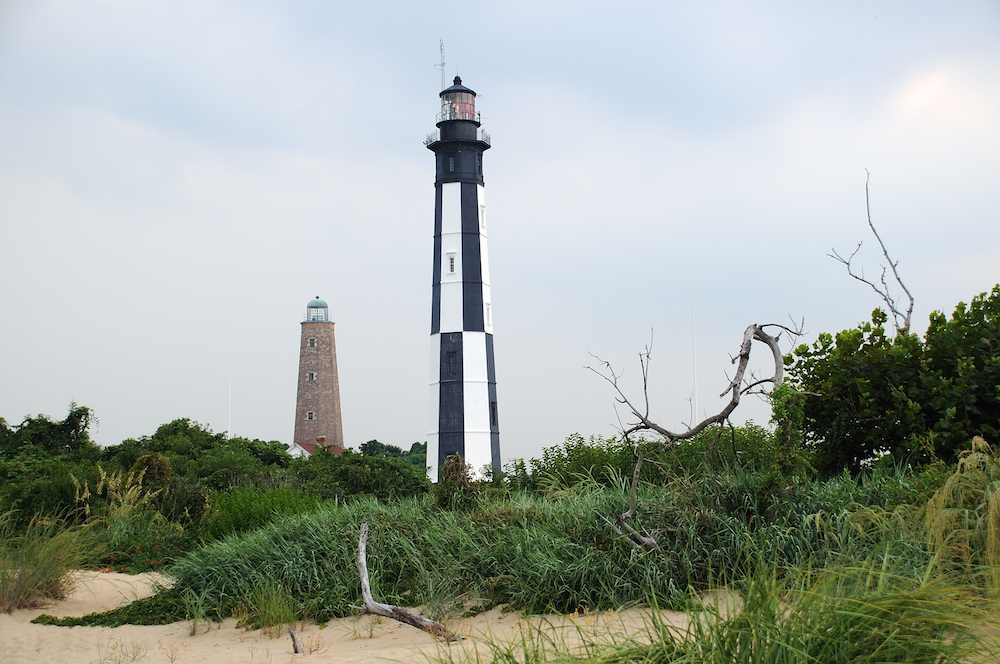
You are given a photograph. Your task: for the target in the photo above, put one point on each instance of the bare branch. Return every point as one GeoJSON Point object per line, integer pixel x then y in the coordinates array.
{"type": "Point", "coordinates": [737, 387]}
{"type": "Point", "coordinates": [901, 320]}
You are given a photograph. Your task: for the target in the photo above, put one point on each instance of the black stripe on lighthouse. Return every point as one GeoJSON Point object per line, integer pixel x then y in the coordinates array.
{"type": "Point", "coordinates": [451, 408]}
{"type": "Point", "coordinates": [472, 264]}
{"type": "Point", "coordinates": [436, 277]}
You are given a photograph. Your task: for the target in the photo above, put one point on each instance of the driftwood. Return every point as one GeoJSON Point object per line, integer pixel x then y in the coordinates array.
{"type": "Point", "coordinates": [388, 610]}
{"type": "Point", "coordinates": [296, 644]}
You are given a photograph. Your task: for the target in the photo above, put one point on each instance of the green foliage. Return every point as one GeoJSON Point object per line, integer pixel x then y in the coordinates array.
{"type": "Point", "coordinates": [163, 608]}
{"type": "Point", "coordinates": [35, 561]}
{"type": "Point", "coordinates": [789, 462]}
{"type": "Point", "coordinates": [38, 460]}
{"type": "Point", "coordinates": [456, 489]}
{"type": "Point", "coordinates": [909, 399]}
{"type": "Point", "coordinates": [198, 457]}
{"type": "Point", "coordinates": [41, 435]}
{"type": "Point", "coordinates": [350, 474]}
{"type": "Point", "coordinates": [416, 456]}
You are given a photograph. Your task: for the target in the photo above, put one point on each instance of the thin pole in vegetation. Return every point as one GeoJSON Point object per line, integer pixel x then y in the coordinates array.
{"type": "Point", "coordinates": [388, 610]}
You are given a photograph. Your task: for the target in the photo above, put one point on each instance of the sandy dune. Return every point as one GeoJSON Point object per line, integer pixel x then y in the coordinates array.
{"type": "Point", "coordinates": [361, 639]}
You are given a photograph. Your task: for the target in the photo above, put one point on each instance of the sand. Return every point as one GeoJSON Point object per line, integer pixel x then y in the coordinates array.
{"type": "Point", "coordinates": [346, 640]}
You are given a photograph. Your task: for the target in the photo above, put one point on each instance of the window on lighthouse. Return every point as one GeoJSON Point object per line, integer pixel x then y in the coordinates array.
{"type": "Point", "coordinates": [310, 376]}
{"type": "Point", "coordinates": [451, 263]}
{"type": "Point", "coordinates": [311, 343]}
{"type": "Point", "coordinates": [309, 415]}
{"type": "Point", "coordinates": [451, 164]}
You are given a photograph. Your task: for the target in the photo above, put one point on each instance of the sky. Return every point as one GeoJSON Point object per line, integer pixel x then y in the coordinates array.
{"type": "Point", "coordinates": [178, 179]}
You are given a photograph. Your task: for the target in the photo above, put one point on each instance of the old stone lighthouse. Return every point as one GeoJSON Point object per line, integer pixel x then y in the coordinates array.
{"type": "Point", "coordinates": [317, 407]}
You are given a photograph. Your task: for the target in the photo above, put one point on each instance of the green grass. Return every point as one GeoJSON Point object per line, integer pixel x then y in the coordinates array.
{"type": "Point", "coordinates": [245, 509]}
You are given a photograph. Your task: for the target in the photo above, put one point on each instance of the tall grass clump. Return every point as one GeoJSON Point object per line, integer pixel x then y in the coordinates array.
{"type": "Point", "coordinates": [35, 561]}
{"type": "Point", "coordinates": [962, 519]}
{"type": "Point", "coordinates": [135, 535]}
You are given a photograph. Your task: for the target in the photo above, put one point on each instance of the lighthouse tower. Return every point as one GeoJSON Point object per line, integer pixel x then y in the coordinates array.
{"type": "Point", "coordinates": [463, 394]}
{"type": "Point", "coordinates": [317, 407]}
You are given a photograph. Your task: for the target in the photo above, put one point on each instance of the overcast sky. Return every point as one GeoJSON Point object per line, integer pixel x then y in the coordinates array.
{"type": "Point", "coordinates": [178, 180]}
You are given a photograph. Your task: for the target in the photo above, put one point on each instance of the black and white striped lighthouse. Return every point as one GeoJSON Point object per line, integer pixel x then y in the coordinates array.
{"type": "Point", "coordinates": [463, 394]}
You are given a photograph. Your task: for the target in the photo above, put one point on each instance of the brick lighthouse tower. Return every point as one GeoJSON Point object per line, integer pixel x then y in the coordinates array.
{"type": "Point", "coordinates": [463, 394]}
{"type": "Point", "coordinates": [317, 407]}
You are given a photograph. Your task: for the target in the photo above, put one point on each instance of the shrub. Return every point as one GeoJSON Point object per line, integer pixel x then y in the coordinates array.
{"type": "Point", "coordinates": [914, 400]}
{"type": "Point", "coordinates": [350, 474]}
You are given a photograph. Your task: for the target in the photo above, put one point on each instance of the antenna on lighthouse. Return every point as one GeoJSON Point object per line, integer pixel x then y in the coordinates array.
{"type": "Point", "coordinates": [440, 65]}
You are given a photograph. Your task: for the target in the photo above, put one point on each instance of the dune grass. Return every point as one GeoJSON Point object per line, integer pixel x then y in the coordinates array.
{"type": "Point", "coordinates": [548, 553]}
{"type": "Point", "coordinates": [856, 615]}
{"type": "Point", "coordinates": [35, 562]}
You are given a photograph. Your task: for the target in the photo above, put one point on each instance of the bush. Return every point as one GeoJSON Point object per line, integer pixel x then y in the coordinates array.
{"type": "Point", "coordinates": [337, 477]}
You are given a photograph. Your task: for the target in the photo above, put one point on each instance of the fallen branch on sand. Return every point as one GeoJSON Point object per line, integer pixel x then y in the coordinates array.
{"type": "Point", "coordinates": [388, 610]}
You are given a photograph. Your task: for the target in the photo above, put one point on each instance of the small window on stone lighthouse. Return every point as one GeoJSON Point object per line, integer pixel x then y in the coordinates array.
{"type": "Point", "coordinates": [451, 363]}
{"type": "Point", "coordinates": [311, 343]}
{"type": "Point", "coordinates": [488, 321]}
{"type": "Point", "coordinates": [310, 376]}
{"type": "Point", "coordinates": [309, 415]}
{"type": "Point", "coordinates": [451, 164]}
{"type": "Point", "coordinates": [482, 216]}
{"type": "Point", "coordinates": [451, 262]}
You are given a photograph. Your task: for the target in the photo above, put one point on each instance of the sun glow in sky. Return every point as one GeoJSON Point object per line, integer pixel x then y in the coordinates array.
{"type": "Point", "coordinates": [178, 179]}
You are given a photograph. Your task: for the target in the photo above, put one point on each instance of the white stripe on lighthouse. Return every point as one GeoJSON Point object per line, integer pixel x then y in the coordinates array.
{"type": "Point", "coordinates": [451, 257]}
{"type": "Point", "coordinates": [435, 402]}
{"type": "Point", "coordinates": [477, 399]}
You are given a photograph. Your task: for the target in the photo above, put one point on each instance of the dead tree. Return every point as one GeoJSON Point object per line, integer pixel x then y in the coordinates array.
{"type": "Point", "coordinates": [900, 318]}
{"type": "Point", "coordinates": [739, 386]}
{"type": "Point", "coordinates": [388, 610]}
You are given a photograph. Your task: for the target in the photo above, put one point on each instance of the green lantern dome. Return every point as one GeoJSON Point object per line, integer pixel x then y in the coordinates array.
{"type": "Point", "coordinates": [317, 311]}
